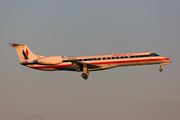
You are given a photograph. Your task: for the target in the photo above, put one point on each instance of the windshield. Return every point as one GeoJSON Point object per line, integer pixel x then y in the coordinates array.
{"type": "Point", "coordinates": [154, 54]}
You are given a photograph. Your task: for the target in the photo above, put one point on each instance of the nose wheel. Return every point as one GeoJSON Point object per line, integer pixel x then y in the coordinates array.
{"type": "Point", "coordinates": [160, 69]}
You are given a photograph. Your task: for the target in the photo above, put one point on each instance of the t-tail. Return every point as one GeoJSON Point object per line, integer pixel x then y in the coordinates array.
{"type": "Point", "coordinates": [24, 53]}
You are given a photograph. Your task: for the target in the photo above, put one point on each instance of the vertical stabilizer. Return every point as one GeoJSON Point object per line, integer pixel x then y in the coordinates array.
{"type": "Point", "coordinates": [23, 52]}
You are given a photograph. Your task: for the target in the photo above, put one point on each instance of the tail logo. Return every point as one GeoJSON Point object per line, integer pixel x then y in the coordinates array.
{"type": "Point", "coordinates": [26, 54]}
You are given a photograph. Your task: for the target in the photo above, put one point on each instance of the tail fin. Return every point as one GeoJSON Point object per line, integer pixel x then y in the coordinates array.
{"type": "Point", "coordinates": [23, 52]}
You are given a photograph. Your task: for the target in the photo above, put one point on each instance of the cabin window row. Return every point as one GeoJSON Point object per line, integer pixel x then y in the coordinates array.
{"type": "Point", "coordinates": [104, 58]}
{"type": "Point", "coordinates": [118, 57]}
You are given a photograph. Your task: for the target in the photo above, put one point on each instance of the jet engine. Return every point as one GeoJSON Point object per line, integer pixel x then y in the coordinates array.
{"type": "Point", "coordinates": [51, 60]}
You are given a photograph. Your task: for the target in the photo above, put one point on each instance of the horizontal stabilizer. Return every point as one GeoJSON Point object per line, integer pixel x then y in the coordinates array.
{"type": "Point", "coordinates": [15, 44]}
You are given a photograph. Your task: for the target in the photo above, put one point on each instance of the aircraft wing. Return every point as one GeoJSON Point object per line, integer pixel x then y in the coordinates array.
{"type": "Point", "coordinates": [79, 65]}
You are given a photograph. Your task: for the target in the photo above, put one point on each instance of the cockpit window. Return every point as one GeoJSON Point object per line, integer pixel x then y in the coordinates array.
{"type": "Point", "coordinates": [154, 54]}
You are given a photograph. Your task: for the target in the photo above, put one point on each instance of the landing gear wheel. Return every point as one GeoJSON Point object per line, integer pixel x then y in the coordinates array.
{"type": "Point", "coordinates": [160, 69]}
{"type": "Point", "coordinates": [84, 76]}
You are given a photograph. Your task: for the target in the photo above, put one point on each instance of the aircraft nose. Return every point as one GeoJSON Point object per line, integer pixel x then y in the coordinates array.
{"type": "Point", "coordinates": [169, 60]}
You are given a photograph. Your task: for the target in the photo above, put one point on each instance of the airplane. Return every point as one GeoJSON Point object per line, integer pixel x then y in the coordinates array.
{"type": "Point", "coordinates": [86, 64]}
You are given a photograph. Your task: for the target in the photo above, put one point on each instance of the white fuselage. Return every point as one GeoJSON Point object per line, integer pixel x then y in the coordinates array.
{"type": "Point", "coordinates": [104, 61]}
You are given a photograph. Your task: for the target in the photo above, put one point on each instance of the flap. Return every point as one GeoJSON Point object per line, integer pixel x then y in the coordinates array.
{"type": "Point", "coordinates": [80, 64]}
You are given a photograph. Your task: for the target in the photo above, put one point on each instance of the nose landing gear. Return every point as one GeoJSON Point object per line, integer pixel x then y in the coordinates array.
{"type": "Point", "coordinates": [160, 69]}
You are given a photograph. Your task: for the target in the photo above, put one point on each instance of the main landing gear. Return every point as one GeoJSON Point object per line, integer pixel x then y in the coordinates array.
{"type": "Point", "coordinates": [85, 72]}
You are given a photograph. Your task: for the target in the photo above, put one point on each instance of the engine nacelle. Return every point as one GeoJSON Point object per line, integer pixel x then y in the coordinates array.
{"type": "Point", "coordinates": [51, 60]}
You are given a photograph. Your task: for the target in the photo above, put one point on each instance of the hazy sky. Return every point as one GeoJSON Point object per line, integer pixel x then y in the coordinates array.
{"type": "Point", "coordinates": [89, 27]}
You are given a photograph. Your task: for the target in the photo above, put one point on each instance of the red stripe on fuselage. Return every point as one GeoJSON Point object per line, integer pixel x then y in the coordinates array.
{"type": "Point", "coordinates": [52, 66]}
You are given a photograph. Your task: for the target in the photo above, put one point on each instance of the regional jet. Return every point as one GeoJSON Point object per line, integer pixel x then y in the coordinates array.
{"type": "Point", "coordinates": [86, 64]}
